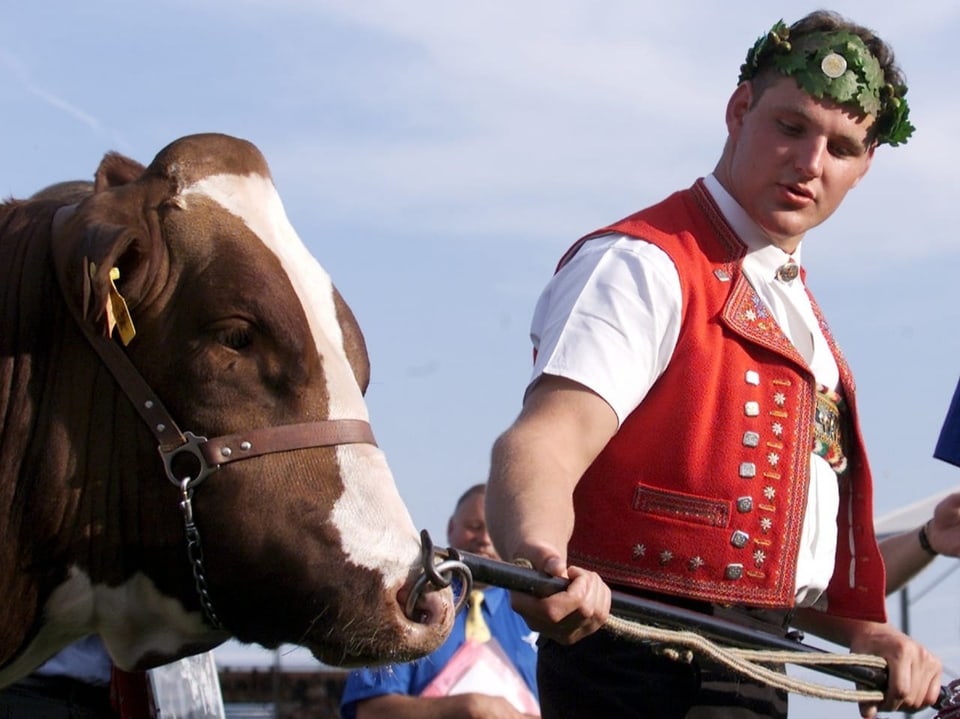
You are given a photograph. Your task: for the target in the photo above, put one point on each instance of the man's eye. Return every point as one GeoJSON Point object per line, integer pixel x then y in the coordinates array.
{"type": "Point", "coordinates": [841, 151]}
{"type": "Point", "coordinates": [789, 129]}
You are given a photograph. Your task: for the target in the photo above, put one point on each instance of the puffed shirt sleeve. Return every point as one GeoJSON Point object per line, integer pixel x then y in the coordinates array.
{"type": "Point", "coordinates": [609, 320]}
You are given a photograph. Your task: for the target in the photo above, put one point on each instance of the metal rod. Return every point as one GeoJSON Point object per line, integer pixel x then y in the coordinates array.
{"type": "Point", "coordinates": [529, 581]}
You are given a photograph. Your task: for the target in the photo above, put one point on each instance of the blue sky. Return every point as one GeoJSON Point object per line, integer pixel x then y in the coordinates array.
{"type": "Point", "coordinates": [439, 156]}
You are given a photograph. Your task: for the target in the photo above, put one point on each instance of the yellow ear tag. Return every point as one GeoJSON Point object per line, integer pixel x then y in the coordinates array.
{"type": "Point", "coordinates": [117, 313]}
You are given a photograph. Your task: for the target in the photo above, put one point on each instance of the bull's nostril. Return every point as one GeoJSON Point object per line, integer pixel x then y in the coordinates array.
{"type": "Point", "coordinates": [432, 607]}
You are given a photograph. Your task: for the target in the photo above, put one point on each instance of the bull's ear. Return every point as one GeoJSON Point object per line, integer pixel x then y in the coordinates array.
{"type": "Point", "coordinates": [112, 259]}
{"type": "Point", "coordinates": [116, 169]}
{"type": "Point", "coordinates": [103, 268]}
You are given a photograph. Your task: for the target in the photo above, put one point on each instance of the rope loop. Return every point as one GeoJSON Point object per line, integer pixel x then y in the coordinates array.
{"type": "Point", "coordinates": [682, 645]}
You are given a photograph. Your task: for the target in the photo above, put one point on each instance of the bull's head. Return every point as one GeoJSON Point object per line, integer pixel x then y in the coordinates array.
{"type": "Point", "coordinates": [237, 328]}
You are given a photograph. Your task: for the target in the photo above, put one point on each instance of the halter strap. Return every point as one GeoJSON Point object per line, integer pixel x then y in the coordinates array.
{"type": "Point", "coordinates": [171, 441]}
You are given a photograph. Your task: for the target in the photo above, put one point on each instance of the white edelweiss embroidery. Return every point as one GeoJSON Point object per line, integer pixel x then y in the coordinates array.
{"type": "Point", "coordinates": [769, 493]}
{"type": "Point", "coordinates": [765, 524]}
{"type": "Point", "coordinates": [639, 550]}
{"type": "Point", "coordinates": [750, 315]}
{"type": "Point", "coordinates": [665, 556]}
{"type": "Point", "coordinates": [780, 399]}
{"type": "Point", "coordinates": [759, 556]}
{"type": "Point", "coordinates": [777, 429]}
{"type": "Point", "coordinates": [696, 563]}
{"type": "Point", "coordinates": [773, 458]}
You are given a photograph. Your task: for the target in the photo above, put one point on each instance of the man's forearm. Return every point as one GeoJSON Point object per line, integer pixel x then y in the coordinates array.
{"type": "Point", "coordinates": [904, 558]}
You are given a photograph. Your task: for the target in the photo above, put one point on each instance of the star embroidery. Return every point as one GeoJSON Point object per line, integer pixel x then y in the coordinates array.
{"type": "Point", "coordinates": [759, 557]}
{"type": "Point", "coordinates": [639, 550]}
{"type": "Point", "coordinates": [769, 493]}
{"type": "Point", "coordinates": [696, 563]}
{"type": "Point", "coordinates": [765, 524]}
{"type": "Point", "coordinates": [780, 399]}
{"type": "Point", "coordinates": [773, 458]}
{"type": "Point", "coordinates": [777, 429]}
{"type": "Point", "coordinates": [665, 556]}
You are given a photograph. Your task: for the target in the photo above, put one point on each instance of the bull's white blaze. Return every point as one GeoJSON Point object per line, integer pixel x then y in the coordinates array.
{"type": "Point", "coordinates": [374, 523]}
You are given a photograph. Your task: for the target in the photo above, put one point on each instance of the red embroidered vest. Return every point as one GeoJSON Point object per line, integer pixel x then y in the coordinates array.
{"type": "Point", "coordinates": [702, 491]}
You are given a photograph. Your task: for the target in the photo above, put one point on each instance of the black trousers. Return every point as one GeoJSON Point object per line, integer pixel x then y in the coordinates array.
{"type": "Point", "coordinates": [48, 697]}
{"type": "Point", "coordinates": [616, 678]}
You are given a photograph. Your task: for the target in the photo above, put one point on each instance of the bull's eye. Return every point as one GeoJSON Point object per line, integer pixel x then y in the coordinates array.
{"type": "Point", "coordinates": [236, 337]}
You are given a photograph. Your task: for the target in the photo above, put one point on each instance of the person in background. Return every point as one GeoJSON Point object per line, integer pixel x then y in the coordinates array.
{"type": "Point", "coordinates": [907, 553]}
{"type": "Point", "coordinates": [690, 429]}
{"type": "Point", "coordinates": [73, 684]}
{"type": "Point", "coordinates": [394, 691]}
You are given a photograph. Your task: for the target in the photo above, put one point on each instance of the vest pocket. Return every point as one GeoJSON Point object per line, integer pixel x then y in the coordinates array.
{"type": "Point", "coordinates": [691, 508]}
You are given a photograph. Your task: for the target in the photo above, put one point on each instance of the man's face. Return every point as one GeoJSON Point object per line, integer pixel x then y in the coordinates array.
{"type": "Point", "coordinates": [467, 528]}
{"type": "Point", "coordinates": [791, 159]}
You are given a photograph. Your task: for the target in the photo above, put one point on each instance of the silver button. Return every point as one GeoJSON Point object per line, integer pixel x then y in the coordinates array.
{"type": "Point", "coordinates": [751, 409]}
{"type": "Point", "coordinates": [739, 539]}
{"type": "Point", "coordinates": [751, 439]}
{"type": "Point", "coordinates": [733, 571]}
{"type": "Point", "coordinates": [748, 470]}
{"type": "Point", "coordinates": [745, 504]}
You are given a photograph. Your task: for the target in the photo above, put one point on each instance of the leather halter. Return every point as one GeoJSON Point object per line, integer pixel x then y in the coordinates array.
{"type": "Point", "coordinates": [210, 454]}
{"type": "Point", "coordinates": [171, 441]}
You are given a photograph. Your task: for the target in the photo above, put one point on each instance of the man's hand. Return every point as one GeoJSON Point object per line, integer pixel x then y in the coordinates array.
{"type": "Point", "coordinates": [914, 674]}
{"type": "Point", "coordinates": [568, 616]}
{"type": "Point", "coordinates": [943, 531]}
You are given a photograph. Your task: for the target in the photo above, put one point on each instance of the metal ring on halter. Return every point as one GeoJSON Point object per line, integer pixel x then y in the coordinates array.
{"type": "Point", "coordinates": [439, 575]}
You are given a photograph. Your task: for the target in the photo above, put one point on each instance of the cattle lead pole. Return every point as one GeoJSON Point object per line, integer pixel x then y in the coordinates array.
{"type": "Point", "coordinates": [517, 578]}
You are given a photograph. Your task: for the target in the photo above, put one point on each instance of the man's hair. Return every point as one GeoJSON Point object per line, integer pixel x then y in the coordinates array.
{"type": "Point", "coordinates": [475, 489]}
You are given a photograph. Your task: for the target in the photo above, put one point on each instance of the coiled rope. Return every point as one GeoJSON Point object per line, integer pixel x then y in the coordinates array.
{"type": "Point", "coordinates": [750, 662]}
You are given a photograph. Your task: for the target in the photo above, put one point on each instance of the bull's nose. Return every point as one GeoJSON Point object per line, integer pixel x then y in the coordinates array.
{"type": "Point", "coordinates": [433, 607]}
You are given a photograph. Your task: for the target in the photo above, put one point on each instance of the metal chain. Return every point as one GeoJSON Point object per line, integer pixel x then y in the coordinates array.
{"type": "Point", "coordinates": [195, 554]}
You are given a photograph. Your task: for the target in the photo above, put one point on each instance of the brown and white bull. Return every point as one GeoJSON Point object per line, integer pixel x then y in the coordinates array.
{"type": "Point", "coordinates": [238, 330]}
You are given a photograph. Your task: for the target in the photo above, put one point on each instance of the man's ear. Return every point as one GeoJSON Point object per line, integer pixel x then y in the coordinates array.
{"type": "Point", "coordinates": [738, 106]}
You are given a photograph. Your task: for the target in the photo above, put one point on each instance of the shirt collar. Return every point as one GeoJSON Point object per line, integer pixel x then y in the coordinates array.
{"type": "Point", "coordinates": [768, 257]}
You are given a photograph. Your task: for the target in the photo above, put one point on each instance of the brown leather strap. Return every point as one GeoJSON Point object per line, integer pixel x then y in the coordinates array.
{"type": "Point", "coordinates": [216, 451]}
{"type": "Point", "coordinates": [230, 448]}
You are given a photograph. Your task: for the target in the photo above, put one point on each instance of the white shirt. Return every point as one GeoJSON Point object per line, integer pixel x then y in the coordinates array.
{"type": "Point", "coordinates": [622, 296]}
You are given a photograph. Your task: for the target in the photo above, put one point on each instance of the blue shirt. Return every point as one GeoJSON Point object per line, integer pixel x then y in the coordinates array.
{"type": "Point", "coordinates": [506, 626]}
{"type": "Point", "coordinates": [86, 660]}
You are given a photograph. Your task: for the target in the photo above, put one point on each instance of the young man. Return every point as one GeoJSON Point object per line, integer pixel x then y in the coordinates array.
{"type": "Point", "coordinates": [690, 431]}
{"type": "Point", "coordinates": [395, 691]}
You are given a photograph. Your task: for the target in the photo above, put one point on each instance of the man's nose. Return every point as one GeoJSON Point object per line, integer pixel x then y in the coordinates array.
{"type": "Point", "coordinates": [809, 158]}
